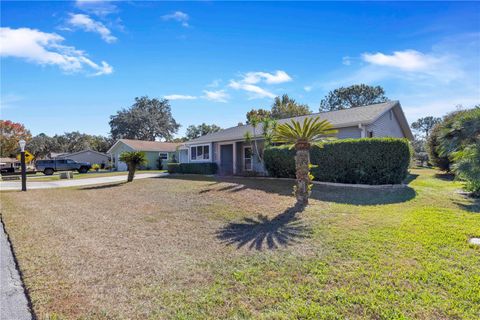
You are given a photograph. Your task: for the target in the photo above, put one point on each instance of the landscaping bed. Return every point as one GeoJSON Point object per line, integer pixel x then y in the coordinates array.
{"type": "Point", "coordinates": [195, 247]}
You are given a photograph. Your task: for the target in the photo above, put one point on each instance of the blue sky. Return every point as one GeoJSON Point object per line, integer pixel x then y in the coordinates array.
{"type": "Point", "coordinates": [68, 66]}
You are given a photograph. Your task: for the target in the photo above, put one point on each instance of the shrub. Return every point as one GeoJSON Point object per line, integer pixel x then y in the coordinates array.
{"type": "Point", "coordinates": [467, 167]}
{"type": "Point", "coordinates": [95, 166]}
{"type": "Point", "coordinates": [193, 168]}
{"type": "Point", "coordinates": [433, 149]}
{"type": "Point", "coordinates": [366, 161]}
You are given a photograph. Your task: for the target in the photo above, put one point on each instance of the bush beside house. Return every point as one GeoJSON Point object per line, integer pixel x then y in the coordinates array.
{"type": "Point", "coordinates": [357, 161]}
{"type": "Point", "coordinates": [193, 168]}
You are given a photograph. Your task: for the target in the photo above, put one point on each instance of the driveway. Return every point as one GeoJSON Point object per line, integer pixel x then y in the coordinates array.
{"type": "Point", "coordinates": [17, 185]}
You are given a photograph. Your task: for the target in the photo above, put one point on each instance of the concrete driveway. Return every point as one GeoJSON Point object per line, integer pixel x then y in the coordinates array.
{"type": "Point", "coordinates": [17, 185]}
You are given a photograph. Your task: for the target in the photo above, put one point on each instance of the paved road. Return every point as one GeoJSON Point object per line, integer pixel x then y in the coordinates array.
{"type": "Point", "coordinates": [13, 302]}
{"type": "Point", "coordinates": [16, 185]}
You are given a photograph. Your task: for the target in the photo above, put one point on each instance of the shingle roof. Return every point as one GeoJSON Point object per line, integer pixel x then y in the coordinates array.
{"type": "Point", "coordinates": [140, 145]}
{"type": "Point", "coordinates": [339, 119]}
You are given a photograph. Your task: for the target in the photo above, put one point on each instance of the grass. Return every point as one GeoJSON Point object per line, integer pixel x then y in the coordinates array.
{"type": "Point", "coordinates": [38, 177]}
{"type": "Point", "coordinates": [190, 247]}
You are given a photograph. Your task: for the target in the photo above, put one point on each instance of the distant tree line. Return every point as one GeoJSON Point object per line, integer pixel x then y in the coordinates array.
{"type": "Point", "coordinates": [151, 119]}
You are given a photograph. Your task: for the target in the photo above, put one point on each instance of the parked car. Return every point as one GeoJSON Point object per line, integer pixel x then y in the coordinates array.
{"type": "Point", "coordinates": [48, 167]}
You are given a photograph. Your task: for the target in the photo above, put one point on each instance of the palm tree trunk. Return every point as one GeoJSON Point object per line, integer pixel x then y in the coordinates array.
{"type": "Point", "coordinates": [302, 161]}
{"type": "Point", "coordinates": [131, 172]}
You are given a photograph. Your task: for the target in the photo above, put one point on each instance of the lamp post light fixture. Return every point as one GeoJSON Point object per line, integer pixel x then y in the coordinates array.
{"type": "Point", "coordinates": [22, 144]}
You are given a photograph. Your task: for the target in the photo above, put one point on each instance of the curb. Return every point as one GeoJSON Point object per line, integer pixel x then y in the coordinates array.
{"type": "Point", "coordinates": [23, 304]}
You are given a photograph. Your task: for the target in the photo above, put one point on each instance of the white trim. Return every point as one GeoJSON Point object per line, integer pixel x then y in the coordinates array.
{"type": "Point", "coordinates": [251, 158]}
{"type": "Point", "coordinates": [209, 145]}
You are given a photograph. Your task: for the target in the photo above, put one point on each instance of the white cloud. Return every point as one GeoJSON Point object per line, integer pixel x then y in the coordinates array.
{"type": "Point", "coordinates": [215, 83]}
{"type": "Point", "coordinates": [256, 91]}
{"type": "Point", "coordinates": [217, 96]}
{"type": "Point", "coordinates": [86, 23]}
{"type": "Point", "coordinates": [429, 83]}
{"type": "Point", "coordinates": [270, 78]}
{"type": "Point", "coordinates": [251, 81]}
{"type": "Point", "coordinates": [346, 61]}
{"type": "Point", "coordinates": [179, 97]}
{"type": "Point", "coordinates": [97, 7]}
{"type": "Point", "coordinates": [179, 16]}
{"type": "Point", "coordinates": [9, 101]}
{"type": "Point", "coordinates": [46, 49]}
{"type": "Point", "coordinates": [307, 88]}
{"type": "Point", "coordinates": [408, 60]}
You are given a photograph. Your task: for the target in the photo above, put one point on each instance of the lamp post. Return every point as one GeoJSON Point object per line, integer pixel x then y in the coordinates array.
{"type": "Point", "coordinates": [22, 144]}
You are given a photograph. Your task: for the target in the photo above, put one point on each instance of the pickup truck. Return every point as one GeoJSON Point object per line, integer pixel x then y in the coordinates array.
{"type": "Point", "coordinates": [48, 167]}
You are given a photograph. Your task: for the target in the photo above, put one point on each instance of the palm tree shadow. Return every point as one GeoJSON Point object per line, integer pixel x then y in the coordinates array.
{"type": "Point", "coordinates": [283, 230]}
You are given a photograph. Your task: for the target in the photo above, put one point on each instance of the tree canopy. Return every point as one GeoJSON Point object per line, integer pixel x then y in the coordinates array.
{"type": "Point", "coordinates": [357, 95]}
{"type": "Point", "coordinates": [258, 114]}
{"type": "Point", "coordinates": [286, 107]}
{"type": "Point", "coordinates": [201, 130]}
{"type": "Point", "coordinates": [282, 107]}
{"type": "Point", "coordinates": [425, 125]}
{"type": "Point", "coordinates": [146, 119]}
{"type": "Point", "coordinates": [42, 145]}
{"type": "Point", "coordinates": [10, 134]}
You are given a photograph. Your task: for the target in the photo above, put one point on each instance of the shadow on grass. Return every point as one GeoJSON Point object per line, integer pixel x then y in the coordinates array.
{"type": "Point", "coordinates": [104, 186]}
{"type": "Point", "coordinates": [445, 176]}
{"type": "Point", "coordinates": [410, 178]}
{"type": "Point", "coordinates": [345, 195]}
{"type": "Point", "coordinates": [260, 233]}
{"type": "Point", "coordinates": [472, 205]}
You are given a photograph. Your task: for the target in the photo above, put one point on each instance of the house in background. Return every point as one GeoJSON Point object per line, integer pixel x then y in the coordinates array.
{"type": "Point", "coordinates": [234, 155]}
{"type": "Point", "coordinates": [90, 156]}
{"type": "Point", "coordinates": [155, 151]}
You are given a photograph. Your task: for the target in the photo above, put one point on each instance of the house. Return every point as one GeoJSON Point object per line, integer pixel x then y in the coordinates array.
{"type": "Point", "coordinates": [9, 164]}
{"type": "Point", "coordinates": [234, 155]}
{"type": "Point", "coordinates": [90, 156]}
{"type": "Point", "coordinates": [155, 151]}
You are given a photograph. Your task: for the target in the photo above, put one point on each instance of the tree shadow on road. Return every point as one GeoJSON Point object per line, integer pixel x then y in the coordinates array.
{"type": "Point", "coordinates": [283, 230]}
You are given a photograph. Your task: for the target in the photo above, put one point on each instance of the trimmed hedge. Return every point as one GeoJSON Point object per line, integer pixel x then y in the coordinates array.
{"type": "Point", "coordinates": [356, 161]}
{"type": "Point", "coordinates": [193, 168]}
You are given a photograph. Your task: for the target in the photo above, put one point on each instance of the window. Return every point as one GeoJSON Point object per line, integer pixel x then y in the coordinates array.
{"type": "Point", "coordinates": [200, 152]}
{"type": "Point", "coordinates": [163, 155]}
{"type": "Point", "coordinates": [370, 134]}
{"type": "Point", "coordinates": [247, 158]}
{"type": "Point", "coordinates": [70, 161]}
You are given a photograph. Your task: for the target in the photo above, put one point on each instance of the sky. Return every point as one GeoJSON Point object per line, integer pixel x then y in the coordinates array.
{"type": "Point", "coordinates": [69, 66]}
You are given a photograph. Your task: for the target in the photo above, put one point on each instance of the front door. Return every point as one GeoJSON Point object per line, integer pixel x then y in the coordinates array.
{"type": "Point", "coordinates": [226, 159]}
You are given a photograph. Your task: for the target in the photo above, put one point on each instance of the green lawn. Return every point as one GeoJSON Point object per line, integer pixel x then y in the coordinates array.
{"type": "Point", "coordinates": [191, 247]}
{"type": "Point", "coordinates": [91, 174]}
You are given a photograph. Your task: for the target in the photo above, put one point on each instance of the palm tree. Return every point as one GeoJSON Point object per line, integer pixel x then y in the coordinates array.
{"type": "Point", "coordinates": [133, 159]}
{"type": "Point", "coordinates": [302, 136]}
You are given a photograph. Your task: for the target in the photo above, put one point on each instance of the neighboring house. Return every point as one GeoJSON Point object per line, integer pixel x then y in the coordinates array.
{"type": "Point", "coordinates": [90, 156]}
{"type": "Point", "coordinates": [154, 150]}
{"type": "Point", "coordinates": [9, 164]}
{"type": "Point", "coordinates": [234, 155]}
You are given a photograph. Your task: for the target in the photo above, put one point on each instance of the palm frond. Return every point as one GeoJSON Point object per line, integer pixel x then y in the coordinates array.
{"type": "Point", "coordinates": [312, 129]}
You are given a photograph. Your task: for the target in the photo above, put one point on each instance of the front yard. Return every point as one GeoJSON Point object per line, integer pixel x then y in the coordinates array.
{"type": "Point", "coordinates": [192, 247]}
